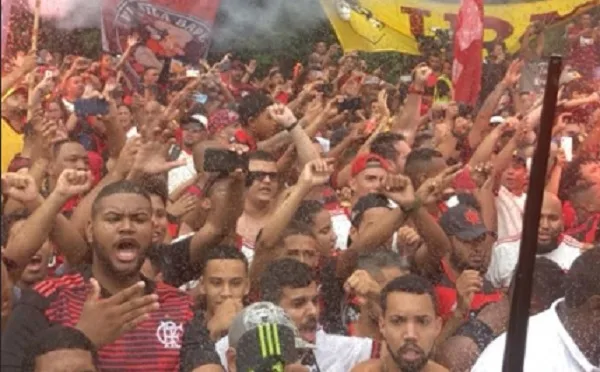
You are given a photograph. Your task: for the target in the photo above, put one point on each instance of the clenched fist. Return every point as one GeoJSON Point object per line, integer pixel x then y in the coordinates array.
{"type": "Point", "coordinates": [317, 172]}
{"type": "Point", "coordinates": [282, 115]}
{"type": "Point", "coordinates": [20, 187]}
{"type": "Point", "coordinates": [72, 182]}
{"type": "Point", "coordinates": [362, 284]}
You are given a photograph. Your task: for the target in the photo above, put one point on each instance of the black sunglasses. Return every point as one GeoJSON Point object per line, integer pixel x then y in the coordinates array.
{"type": "Point", "coordinates": [260, 176]}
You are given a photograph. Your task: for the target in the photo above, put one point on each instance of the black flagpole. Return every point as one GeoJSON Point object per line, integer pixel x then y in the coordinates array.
{"type": "Point", "coordinates": [514, 352]}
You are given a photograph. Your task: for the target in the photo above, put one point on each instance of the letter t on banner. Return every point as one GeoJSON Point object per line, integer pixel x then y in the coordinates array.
{"type": "Point", "coordinates": [468, 48]}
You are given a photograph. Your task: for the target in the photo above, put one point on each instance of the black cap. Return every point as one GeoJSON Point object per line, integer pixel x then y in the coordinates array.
{"type": "Point", "coordinates": [365, 203]}
{"type": "Point", "coordinates": [464, 222]}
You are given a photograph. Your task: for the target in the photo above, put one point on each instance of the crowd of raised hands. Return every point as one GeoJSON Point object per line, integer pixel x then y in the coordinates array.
{"type": "Point", "coordinates": [160, 222]}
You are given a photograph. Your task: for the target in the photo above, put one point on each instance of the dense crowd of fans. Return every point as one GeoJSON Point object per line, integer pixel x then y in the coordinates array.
{"type": "Point", "coordinates": [320, 219]}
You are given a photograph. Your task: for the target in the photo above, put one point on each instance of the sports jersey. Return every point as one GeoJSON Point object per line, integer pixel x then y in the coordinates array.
{"type": "Point", "coordinates": [172, 339]}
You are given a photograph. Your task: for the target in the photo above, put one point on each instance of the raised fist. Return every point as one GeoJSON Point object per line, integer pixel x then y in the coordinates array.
{"type": "Point", "coordinates": [317, 172]}
{"type": "Point", "coordinates": [72, 182]}
{"type": "Point", "coordinates": [19, 186]}
{"type": "Point", "coordinates": [282, 115]}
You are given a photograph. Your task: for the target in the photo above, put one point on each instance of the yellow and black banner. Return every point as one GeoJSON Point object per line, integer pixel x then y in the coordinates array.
{"type": "Point", "coordinates": [393, 25]}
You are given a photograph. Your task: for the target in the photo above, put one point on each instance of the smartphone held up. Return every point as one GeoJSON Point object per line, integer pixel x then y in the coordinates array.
{"type": "Point", "coordinates": [224, 161]}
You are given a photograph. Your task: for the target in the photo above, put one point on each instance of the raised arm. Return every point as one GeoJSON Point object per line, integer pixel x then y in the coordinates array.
{"type": "Point", "coordinates": [315, 173]}
{"type": "Point", "coordinates": [12, 79]}
{"type": "Point", "coordinates": [513, 74]}
{"type": "Point", "coordinates": [36, 229]}
{"type": "Point", "coordinates": [408, 120]}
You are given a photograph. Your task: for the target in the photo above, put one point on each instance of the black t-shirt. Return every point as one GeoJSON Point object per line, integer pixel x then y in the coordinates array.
{"type": "Point", "coordinates": [176, 265]}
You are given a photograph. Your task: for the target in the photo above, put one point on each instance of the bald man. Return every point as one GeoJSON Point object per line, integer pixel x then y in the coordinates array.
{"type": "Point", "coordinates": [552, 244]}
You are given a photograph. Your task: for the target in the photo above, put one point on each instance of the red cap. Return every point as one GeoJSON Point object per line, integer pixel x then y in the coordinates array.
{"type": "Point", "coordinates": [364, 161]}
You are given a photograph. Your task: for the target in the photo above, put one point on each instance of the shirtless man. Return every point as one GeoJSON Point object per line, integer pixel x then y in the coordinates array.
{"type": "Point", "coordinates": [409, 325]}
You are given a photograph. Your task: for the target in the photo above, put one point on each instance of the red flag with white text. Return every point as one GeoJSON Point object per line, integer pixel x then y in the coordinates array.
{"type": "Point", "coordinates": [468, 48]}
{"type": "Point", "coordinates": [166, 29]}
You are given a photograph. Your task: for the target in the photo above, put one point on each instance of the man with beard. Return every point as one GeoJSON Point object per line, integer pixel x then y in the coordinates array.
{"type": "Point", "coordinates": [460, 351]}
{"type": "Point", "coordinates": [409, 325]}
{"type": "Point", "coordinates": [469, 254]}
{"type": "Point", "coordinates": [551, 244]}
{"type": "Point", "coordinates": [564, 337]}
{"type": "Point", "coordinates": [115, 306]}
{"type": "Point", "coordinates": [291, 285]}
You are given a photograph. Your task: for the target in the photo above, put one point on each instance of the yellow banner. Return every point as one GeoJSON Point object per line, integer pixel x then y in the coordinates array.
{"type": "Point", "coordinates": [384, 25]}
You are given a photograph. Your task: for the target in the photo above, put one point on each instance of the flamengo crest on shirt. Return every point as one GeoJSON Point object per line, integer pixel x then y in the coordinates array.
{"type": "Point", "coordinates": [169, 334]}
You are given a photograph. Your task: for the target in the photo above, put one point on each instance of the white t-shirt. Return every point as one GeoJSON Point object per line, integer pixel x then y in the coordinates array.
{"type": "Point", "coordinates": [505, 256]}
{"type": "Point", "coordinates": [549, 348]}
{"type": "Point", "coordinates": [334, 353]}
{"type": "Point", "coordinates": [182, 174]}
{"type": "Point", "coordinates": [510, 210]}
{"type": "Point", "coordinates": [341, 226]}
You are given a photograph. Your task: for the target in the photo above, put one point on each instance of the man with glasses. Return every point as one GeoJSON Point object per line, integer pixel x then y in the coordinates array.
{"type": "Point", "coordinates": [262, 187]}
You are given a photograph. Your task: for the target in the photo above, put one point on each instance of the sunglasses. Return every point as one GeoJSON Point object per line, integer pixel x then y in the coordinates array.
{"type": "Point", "coordinates": [261, 176]}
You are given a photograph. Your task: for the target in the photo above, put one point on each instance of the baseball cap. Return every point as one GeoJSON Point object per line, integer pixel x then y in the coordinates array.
{"type": "Point", "coordinates": [497, 120]}
{"type": "Point", "coordinates": [464, 222]}
{"type": "Point", "coordinates": [368, 160]}
{"type": "Point", "coordinates": [195, 121]}
{"type": "Point", "coordinates": [365, 203]}
{"type": "Point", "coordinates": [262, 313]}
{"type": "Point", "coordinates": [266, 347]}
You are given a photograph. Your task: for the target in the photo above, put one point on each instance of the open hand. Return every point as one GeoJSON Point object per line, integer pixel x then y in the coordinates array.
{"type": "Point", "coordinates": [103, 320]}
{"type": "Point", "coordinates": [186, 203]}
{"type": "Point", "coordinates": [151, 158]}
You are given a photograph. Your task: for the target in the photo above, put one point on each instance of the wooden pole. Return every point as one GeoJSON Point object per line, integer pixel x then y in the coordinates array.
{"type": "Point", "coordinates": [516, 338]}
{"type": "Point", "coordinates": [34, 48]}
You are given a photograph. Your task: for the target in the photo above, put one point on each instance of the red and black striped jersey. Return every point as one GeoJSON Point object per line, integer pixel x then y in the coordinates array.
{"type": "Point", "coordinates": [172, 339]}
